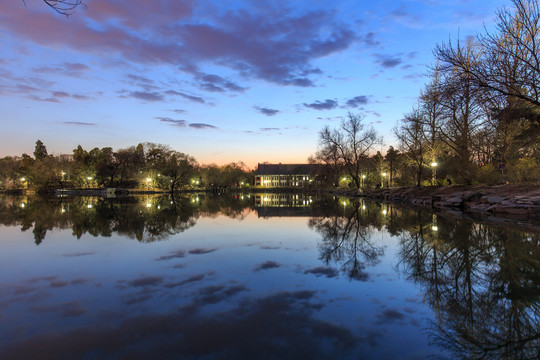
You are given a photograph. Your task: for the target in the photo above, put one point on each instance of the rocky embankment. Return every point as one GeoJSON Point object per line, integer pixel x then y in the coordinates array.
{"type": "Point", "coordinates": [506, 201]}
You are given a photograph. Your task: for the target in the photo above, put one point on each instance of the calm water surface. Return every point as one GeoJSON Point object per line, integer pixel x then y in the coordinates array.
{"type": "Point", "coordinates": [261, 276]}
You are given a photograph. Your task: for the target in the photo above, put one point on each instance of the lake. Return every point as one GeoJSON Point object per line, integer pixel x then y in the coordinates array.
{"type": "Point", "coordinates": [266, 276]}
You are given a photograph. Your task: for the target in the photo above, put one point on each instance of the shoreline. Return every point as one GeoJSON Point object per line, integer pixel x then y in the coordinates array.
{"type": "Point", "coordinates": [508, 204]}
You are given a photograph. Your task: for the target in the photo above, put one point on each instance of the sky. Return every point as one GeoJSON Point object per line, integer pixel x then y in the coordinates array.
{"type": "Point", "coordinates": [223, 81]}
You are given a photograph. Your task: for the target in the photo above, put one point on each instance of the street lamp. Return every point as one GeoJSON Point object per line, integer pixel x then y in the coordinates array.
{"type": "Point", "coordinates": [363, 179]}
{"type": "Point", "coordinates": [433, 173]}
{"type": "Point", "coordinates": [382, 179]}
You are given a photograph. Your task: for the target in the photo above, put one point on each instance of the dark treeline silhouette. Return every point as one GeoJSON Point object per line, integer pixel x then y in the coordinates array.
{"type": "Point", "coordinates": [146, 166]}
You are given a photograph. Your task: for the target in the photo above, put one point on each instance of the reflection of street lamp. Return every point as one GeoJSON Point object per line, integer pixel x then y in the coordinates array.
{"type": "Point", "coordinates": [433, 173]}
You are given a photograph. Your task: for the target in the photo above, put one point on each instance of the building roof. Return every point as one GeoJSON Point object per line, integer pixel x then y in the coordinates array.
{"type": "Point", "coordinates": [286, 169]}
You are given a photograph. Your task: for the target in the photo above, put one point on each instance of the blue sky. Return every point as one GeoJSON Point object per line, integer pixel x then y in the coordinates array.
{"type": "Point", "coordinates": [222, 81]}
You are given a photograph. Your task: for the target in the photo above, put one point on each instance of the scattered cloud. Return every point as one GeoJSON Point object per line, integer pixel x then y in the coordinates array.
{"type": "Point", "coordinates": [369, 40]}
{"type": "Point", "coordinates": [196, 99]}
{"type": "Point", "coordinates": [279, 47]}
{"type": "Point", "coordinates": [50, 99]}
{"type": "Point", "coordinates": [266, 111]}
{"type": "Point", "coordinates": [215, 83]}
{"type": "Point", "coordinates": [76, 66]}
{"type": "Point", "coordinates": [65, 69]}
{"type": "Point", "coordinates": [387, 61]}
{"type": "Point", "coordinates": [172, 122]}
{"type": "Point", "coordinates": [202, 126]}
{"type": "Point", "coordinates": [405, 17]}
{"type": "Point", "coordinates": [270, 129]}
{"type": "Point", "coordinates": [328, 104]}
{"type": "Point", "coordinates": [78, 123]}
{"type": "Point", "coordinates": [146, 96]}
{"type": "Point", "coordinates": [357, 101]}
{"type": "Point", "coordinates": [60, 94]}
{"type": "Point", "coordinates": [184, 123]}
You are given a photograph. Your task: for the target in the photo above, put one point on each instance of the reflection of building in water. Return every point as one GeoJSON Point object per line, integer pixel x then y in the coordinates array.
{"type": "Point", "coordinates": [286, 175]}
{"type": "Point", "coordinates": [283, 205]}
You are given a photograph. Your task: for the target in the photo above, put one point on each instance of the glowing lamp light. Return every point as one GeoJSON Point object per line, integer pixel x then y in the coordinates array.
{"type": "Point", "coordinates": [148, 179]}
{"type": "Point", "coordinates": [434, 164]}
{"type": "Point", "coordinates": [384, 212]}
{"type": "Point", "coordinates": [434, 228]}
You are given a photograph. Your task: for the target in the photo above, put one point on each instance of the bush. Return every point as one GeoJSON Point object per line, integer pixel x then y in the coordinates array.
{"type": "Point", "coordinates": [489, 175]}
{"type": "Point", "coordinates": [524, 170]}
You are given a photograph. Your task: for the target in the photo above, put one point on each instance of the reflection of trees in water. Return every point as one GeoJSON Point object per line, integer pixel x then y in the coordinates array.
{"type": "Point", "coordinates": [347, 238]}
{"type": "Point", "coordinates": [143, 218]}
{"type": "Point", "coordinates": [483, 283]}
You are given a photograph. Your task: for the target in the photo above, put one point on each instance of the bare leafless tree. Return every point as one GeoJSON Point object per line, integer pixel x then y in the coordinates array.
{"type": "Point", "coordinates": [353, 141]}
{"type": "Point", "coordinates": [411, 135]}
{"type": "Point", "coordinates": [509, 61]}
{"type": "Point", "coordinates": [63, 7]}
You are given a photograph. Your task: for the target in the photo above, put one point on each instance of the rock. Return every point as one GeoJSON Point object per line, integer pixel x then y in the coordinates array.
{"type": "Point", "coordinates": [494, 199]}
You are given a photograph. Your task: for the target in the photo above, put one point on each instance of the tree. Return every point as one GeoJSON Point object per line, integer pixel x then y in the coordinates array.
{"type": "Point", "coordinates": [509, 64]}
{"type": "Point", "coordinates": [330, 157]}
{"type": "Point", "coordinates": [178, 167]}
{"type": "Point", "coordinates": [40, 151]}
{"type": "Point", "coordinates": [352, 142]}
{"type": "Point", "coordinates": [392, 157]}
{"type": "Point", "coordinates": [464, 110]}
{"type": "Point", "coordinates": [410, 134]}
{"type": "Point", "coordinates": [63, 7]}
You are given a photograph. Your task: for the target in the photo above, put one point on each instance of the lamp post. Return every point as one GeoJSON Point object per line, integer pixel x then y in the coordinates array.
{"type": "Point", "coordinates": [434, 173]}
{"type": "Point", "coordinates": [363, 179]}
{"type": "Point", "coordinates": [148, 180]}
{"type": "Point", "coordinates": [382, 179]}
